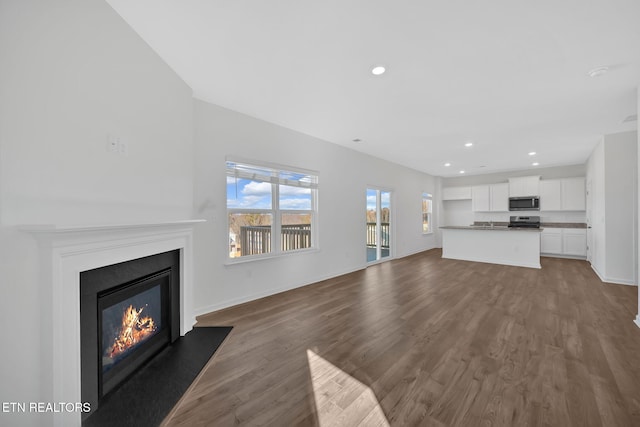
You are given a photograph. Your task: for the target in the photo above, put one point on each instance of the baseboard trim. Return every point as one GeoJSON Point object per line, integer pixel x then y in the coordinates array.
{"type": "Point", "coordinates": [578, 257]}
{"type": "Point", "coordinates": [248, 298]}
{"type": "Point", "coordinates": [252, 297]}
{"type": "Point", "coordinates": [611, 280]}
{"type": "Point", "coordinates": [495, 261]}
{"type": "Point", "coordinates": [417, 251]}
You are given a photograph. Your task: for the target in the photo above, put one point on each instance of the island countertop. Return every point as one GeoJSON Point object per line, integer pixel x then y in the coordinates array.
{"type": "Point", "coordinates": [497, 245]}
{"type": "Point", "coordinates": [490, 228]}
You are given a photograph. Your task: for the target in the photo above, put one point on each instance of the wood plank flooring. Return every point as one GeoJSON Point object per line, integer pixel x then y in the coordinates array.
{"type": "Point", "coordinates": [428, 341]}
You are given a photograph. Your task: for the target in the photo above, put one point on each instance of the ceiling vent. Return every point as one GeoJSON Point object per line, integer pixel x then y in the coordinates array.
{"type": "Point", "coordinates": [632, 118]}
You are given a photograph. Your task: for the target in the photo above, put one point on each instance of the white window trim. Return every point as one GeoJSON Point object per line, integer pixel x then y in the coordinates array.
{"type": "Point", "coordinates": [275, 211]}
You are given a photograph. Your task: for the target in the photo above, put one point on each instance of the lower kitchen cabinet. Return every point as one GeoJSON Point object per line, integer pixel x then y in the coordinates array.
{"type": "Point", "coordinates": [564, 241]}
{"type": "Point", "coordinates": [574, 241]}
{"type": "Point", "coordinates": [551, 241]}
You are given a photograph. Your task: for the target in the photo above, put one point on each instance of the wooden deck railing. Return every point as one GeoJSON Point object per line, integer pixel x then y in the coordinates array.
{"type": "Point", "coordinates": [372, 237]}
{"type": "Point", "coordinates": [257, 239]}
{"type": "Point", "coordinates": [296, 236]}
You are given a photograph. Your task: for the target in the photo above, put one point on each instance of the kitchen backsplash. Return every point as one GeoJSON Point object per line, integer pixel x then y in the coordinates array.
{"type": "Point", "coordinates": [544, 217]}
{"type": "Point", "coordinates": [458, 212]}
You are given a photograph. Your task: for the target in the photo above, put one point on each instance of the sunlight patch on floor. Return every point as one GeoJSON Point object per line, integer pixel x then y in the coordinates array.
{"type": "Point", "coordinates": [340, 399]}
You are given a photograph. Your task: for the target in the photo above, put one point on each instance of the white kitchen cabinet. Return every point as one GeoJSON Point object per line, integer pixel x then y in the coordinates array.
{"type": "Point", "coordinates": [456, 193]}
{"type": "Point", "coordinates": [566, 194]}
{"type": "Point", "coordinates": [490, 198]}
{"type": "Point", "coordinates": [574, 241]}
{"type": "Point", "coordinates": [524, 186]}
{"type": "Point", "coordinates": [550, 195]}
{"type": "Point", "coordinates": [499, 197]}
{"type": "Point", "coordinates": [480, 198]}
{"type": "Point", "coordinates": [564, 241]}
{"type": "Point", "coordinates": [574, 194]}
{"type": "Point", "coordinates": [551, 241]}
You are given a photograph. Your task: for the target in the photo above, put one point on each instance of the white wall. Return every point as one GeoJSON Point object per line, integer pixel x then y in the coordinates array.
{"type": "Point", "coordinates": [612, 175]}
{"type": "Point", "coordinates": [459, 212]}
{"type": "Point", "coordinates": [596, 205]}
{"type": "Point", "coordinates": [554, 172]}
{"type": "Point", "coordinates": [344, 176]}
{"type": "Point", "coordinates": [621, 211]}
{"type": "Point", "coordinates": [638, 210]}
{"type": "Point", "coordinates": [72, 72]}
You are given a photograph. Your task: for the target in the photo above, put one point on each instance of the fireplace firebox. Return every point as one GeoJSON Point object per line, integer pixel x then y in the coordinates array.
{"type": "Point", "coordinates": [132, 327]}
{"type": "Point", "coordinates": [129, 312]}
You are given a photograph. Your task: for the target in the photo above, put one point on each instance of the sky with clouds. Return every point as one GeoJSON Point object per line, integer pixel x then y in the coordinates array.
{"type": "Point", "coordinates": [385, 199]}
{"type": "Point", "coordinates": [247, 194]}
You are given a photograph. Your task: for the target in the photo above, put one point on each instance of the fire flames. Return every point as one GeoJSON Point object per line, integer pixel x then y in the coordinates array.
{"type": "Point", "coordinates": [134, 330]}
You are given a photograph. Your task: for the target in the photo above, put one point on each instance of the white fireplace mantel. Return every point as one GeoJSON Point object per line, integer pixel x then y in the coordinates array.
{"type": "Point", "coordinates": [66, 251]}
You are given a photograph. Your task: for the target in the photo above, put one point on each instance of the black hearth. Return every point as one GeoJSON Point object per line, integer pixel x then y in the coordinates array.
{"type": "Point", "coordinates": [129, 312]}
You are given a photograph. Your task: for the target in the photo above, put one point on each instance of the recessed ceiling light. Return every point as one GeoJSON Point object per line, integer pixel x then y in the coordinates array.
{"type": "Point", "coordinates": [598, 71]}
{"type": "Point", "coordinates": [468, 144]}
{"type": "Point", "coordinates": [535, 164]}
{"type": "Point", "coordinates": [356, 140]}
{"type": "Point", "coordinates": [378, 70]}
{"type": "Point", "coordinates": [532, 153]}
{"type": "Point", "coordinates": [461, 171]}
{"type": "Point", "coordinates": [447, 164]}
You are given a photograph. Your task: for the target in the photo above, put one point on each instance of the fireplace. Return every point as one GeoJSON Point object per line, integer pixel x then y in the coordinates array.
{"type": "Point", "coordinates": [68, 250]}
{"type": "Point", "coordinates": [129, 312]}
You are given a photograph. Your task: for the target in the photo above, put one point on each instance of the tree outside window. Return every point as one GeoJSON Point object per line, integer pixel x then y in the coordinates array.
{"type": "Point", "coordinates": [270, 210]}
{"type": "Point", "coordinates": [427, 208]}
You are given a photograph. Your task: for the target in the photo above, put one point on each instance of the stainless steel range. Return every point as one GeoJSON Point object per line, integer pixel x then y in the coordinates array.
{"type": "Point", "coordinates": [524, 221]}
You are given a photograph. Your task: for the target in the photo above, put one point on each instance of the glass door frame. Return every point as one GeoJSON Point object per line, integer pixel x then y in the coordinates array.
{"type": "Point", "coordinates": [379, 257]}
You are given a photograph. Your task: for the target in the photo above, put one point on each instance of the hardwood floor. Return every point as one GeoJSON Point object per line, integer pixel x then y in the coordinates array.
{"type": "Point", "coordinates": [428, 341]}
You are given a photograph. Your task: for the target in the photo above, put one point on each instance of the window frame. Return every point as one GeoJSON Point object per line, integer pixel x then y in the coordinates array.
{"type": "Point", "coordinates": [276, 212]}
{"type": "Point", "coordinates": [426, 196]}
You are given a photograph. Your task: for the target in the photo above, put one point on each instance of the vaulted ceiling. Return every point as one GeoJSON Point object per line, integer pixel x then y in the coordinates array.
{"type": "Point", "coordinates": [510, 76]}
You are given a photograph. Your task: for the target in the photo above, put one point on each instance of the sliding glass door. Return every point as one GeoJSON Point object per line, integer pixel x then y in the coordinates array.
{"type": "Point", "coordinates": [378, 237]}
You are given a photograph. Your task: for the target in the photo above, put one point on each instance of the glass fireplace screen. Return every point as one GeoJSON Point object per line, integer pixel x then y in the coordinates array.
{"type": "Point", "coordinates": [128, 324]}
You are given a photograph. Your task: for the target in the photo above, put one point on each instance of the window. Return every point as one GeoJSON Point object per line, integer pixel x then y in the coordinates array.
{"type": "Point", "coordinates": [427, 205]}
{"type": "Point", "coordinates": [270, 210]}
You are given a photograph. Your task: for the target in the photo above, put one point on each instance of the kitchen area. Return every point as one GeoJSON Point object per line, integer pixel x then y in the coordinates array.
{"type": "Point", "coordinates": [515, 220]}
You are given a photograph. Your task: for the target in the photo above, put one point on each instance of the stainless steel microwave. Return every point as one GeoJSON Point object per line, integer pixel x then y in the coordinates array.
{"type": "Point", "coordinates": [529, 203]}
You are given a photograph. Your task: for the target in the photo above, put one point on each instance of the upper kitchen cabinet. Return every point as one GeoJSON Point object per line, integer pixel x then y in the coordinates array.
{"type": "Point", "coordinates": [574, 194]}
{"type": "Point", "coordinates": [499, 197]}
{"type": "Point", "coordinates": [490, 198]}
{"type": "Point", "coordinates": [550, 195]}
{"type": "Point", "coordinates": [567, 194]}
{"type": "Point", "coordinates": [480, 198]}
{"type": "Point", "coordinates": [456, 193]}
{"type": "Point", "coordinates": [524, 186]}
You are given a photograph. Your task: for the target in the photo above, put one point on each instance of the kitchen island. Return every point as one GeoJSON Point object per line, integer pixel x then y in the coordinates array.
{"type": "Point", "coordinates": [492, 244]}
